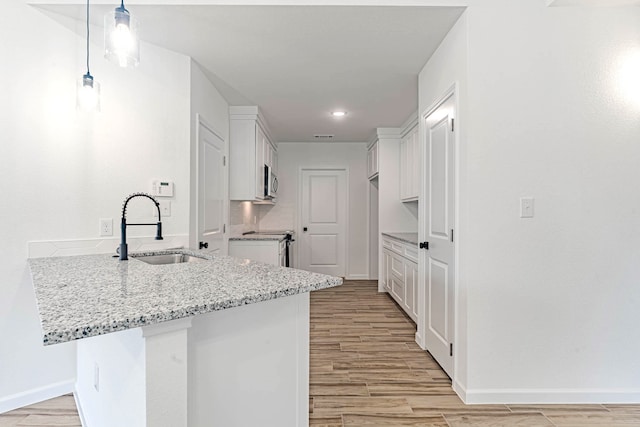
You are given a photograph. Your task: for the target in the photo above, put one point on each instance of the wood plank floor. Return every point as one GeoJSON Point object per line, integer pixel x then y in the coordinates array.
{"type": "Point", "coordinates": [366, 370]}
{"type": "Point", "coordinates": [60, 411]}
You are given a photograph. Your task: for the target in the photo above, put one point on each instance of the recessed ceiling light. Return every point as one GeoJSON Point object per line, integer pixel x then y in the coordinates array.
{"type": "Point", "coordinates": [338, 113]}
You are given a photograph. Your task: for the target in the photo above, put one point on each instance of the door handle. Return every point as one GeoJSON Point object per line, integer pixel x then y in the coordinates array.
{"type": "Point", "coordinates": [204, 245]}
{"type": "Point", "coordinates": [304, 229]}
{"type": "Point", "coordinates": [424, 245]}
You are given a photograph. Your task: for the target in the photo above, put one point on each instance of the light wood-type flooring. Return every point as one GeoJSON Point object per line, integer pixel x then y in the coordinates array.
{"type": "Point", "coordinates": [366, 370]}
{"type": "Point", "coordinates": [60, 411]}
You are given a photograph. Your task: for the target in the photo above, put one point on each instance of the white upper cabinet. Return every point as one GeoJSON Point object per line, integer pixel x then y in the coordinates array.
{"type": "Point", "coordinates": [372, 160]}
{"type": "Point", "coordinates": [250, 149]}
{"type": "Point", "coordinates": [410, 165]}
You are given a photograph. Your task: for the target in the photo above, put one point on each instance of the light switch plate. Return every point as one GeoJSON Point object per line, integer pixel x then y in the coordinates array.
{"type": "Point", "coordinates": [165, 209]}
{"type": "Point", "coordinates": [526, 207]}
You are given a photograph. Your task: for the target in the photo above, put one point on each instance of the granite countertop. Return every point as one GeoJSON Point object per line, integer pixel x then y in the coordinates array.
{"type": "Point", "coordinates": [276, 237]}
{"type": "Point", "coordinates": [84, 296]}
{"type": "Point", "coordinates": [411, 238]}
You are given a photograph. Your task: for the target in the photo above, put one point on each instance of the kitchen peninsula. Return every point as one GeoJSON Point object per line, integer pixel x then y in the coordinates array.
{"type": "Point", "coordinates": [221, 341]}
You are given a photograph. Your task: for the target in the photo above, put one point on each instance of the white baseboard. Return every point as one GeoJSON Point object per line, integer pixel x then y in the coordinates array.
{"type": "Point", "coordinates": [35, 395]}
{"type": "Point", "coordinates": [79, 406]}
{"type": "Point", "coordinates": [420, 342]}
{"type": "Point", "coordinates": [357, 277]}
{"type": "Point", "coordinates": [550, 396]}
{"type": "Point", "coordinates": [460, 390]}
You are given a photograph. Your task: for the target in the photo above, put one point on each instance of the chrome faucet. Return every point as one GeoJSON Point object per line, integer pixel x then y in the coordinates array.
{"type": "Point", "coordinates": [123, 224]}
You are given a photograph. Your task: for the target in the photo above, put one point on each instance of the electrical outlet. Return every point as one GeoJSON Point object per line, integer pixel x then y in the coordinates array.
{"type": "Point", "coordinates": [106, 226]}
{"type": "Point", "coordinates": [96, 377]}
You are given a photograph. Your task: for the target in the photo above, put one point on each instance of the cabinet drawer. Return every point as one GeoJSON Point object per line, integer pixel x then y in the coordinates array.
{"type": "Point", "coordinates": [386, 243]}
{"type": "Point", "coordinates": [397, 267]}
{"type": "Point", "coordinates": [397, 247]}
{"type": "Point", "coordinates": [411, 252]}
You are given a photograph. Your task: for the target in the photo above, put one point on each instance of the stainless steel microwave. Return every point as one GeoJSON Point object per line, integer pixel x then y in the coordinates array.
{"type": "Point", "coordinates": [270, 183]}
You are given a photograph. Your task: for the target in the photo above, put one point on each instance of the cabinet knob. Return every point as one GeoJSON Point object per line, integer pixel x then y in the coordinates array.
{"type": "Point", "coordinates": [204, 245]}
{"type": "Point", "coordinates": [305, 229]}
{"type": "Point", "coordinates": [424, 245]}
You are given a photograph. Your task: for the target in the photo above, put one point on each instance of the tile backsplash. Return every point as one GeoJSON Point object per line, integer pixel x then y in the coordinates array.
{"type": "Point", "coordinates": [243, 217]}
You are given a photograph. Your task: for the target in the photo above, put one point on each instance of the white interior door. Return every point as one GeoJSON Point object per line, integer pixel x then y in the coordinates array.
{"type": "Point", "coordinates": [212, 182]}
{"type": "Point", "coordinates": [440, 216]}
{"type": "Point", "coordinates": [324, 221]}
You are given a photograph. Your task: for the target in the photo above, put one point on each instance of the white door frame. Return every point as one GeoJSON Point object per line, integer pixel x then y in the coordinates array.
{"type": "Point", "coordinates": [299, 209]}
{"type": "Point", "coordinates": [422, 231]}
{"type": "Point", "coordinates": [195, 204]}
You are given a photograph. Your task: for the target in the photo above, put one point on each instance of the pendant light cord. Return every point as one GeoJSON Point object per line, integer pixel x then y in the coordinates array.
{"type": "Point", "coordinates": [88, 38]}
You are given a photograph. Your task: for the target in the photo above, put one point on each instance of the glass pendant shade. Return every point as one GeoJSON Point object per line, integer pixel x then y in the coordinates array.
{"type": "Point", "coordinates": [88, 94]}
{"type": "Point", "coordinates": [121, 43]}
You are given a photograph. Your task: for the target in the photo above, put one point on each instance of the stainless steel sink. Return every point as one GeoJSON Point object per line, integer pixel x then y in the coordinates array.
{"type": "Point", "coordinates": [168, 259]}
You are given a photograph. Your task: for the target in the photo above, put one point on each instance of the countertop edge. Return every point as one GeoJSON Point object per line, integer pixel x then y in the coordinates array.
{"type": "Point", "coordinates": [54, 337]}
{"type": "Point", "coordinates": [91, 329]}
{"type": "Point", "coordinates": [397, 236]}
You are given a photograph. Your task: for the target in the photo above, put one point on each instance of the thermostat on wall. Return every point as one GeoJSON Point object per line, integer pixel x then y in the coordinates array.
{"type": "Point", "coordinates": [162, 189]}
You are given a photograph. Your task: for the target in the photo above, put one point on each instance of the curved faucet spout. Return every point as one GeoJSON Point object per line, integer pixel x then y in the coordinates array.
{"type": "Point", "coordinates": [123, 224]}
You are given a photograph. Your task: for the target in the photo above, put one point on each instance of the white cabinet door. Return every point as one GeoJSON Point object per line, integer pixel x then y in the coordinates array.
{"type": "Point", "coordinates": [415, 166]}
{"type": "Point", "coordinates": [410, 166]}
{"type": "Point", "coordinates": [440, 258]}
{"type": "Point", "coordinates": [404, 183]}
{"type": "Point", "coordinates": [260, 144]}
{"type": "Point", "coordinates": [411, 289]}
{"type": "Point", "coordinates": [386, 269]}
{"type": "Point", "coordinates": [397, 278]}
{"type": "Point", "coordinates": [249, 150]}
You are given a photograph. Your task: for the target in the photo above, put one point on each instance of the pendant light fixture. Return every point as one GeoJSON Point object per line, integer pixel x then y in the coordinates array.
{"type": "Point", "coordinates": [121, 44]}
{"type": "Point", "coordinates": [88, 90]}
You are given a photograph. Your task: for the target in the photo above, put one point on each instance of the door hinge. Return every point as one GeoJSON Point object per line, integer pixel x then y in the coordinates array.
{"type": "Point", "coordinates": [451, 349]}
{"type": "Point", "coordinates": [224, 160]}
{"type": "Point", "coordinates": [453, 124]}
{"type": "Point", "coordinates": [224, 228]}
{"type": "Point", "coordinates": [424, 245]}
{"type": "Point", "coordinates": [452, 235]}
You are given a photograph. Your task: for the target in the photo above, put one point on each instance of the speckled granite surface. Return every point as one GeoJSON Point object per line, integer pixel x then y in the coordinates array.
{"type": "Point", "coordinates": [277, 237]}
{"type": "Point", "coordinates": [84, 296]}
{"type": "Point", "coordinates": [411, 238]}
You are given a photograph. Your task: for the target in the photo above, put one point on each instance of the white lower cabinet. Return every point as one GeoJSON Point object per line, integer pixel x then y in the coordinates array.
{"type": "Point", "coordinates": [400, 274]}
{"type": "Point", "coordinates": [267, 251]}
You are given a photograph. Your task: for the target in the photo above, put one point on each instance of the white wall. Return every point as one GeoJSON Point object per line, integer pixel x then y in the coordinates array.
{"type": "Point", "coordinates": [552, 302]}
{"type": "Point", "coordinates": [294, 156]}
{"type": "Point", "coordinates": [61, 170]}
{"type": "Point", "coordinates": [448, 66]}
